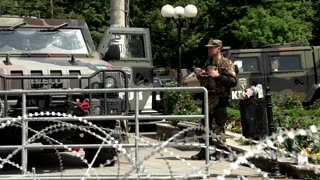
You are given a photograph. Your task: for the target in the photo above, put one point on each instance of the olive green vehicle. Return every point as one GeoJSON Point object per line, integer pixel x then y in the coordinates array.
{"type": "Point", "coordinates": [135, 59]}
{"type": "Point", "coordinates": [288, 70]}
{"type": "Point", "coordinates": [59, 54]}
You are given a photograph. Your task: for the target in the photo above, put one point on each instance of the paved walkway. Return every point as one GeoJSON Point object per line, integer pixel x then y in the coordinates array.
{"type": "Point", "coordinates": [168, 163]}
{"type": "Point", "coordinates": [176, 161]}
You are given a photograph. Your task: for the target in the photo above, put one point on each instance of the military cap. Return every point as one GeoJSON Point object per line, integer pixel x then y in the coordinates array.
{"type": "Point", "coordinates": [214, 43]}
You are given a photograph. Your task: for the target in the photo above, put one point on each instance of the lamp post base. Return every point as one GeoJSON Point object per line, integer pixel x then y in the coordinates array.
{"type": "Point", "coordinates": [277, 176]}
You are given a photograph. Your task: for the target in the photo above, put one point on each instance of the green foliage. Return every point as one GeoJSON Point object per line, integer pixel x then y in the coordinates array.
{"type": "Point", "coordinates": [181, 103]}
{"type": "Point", "coordinates": [164, 32]}
{"type": "Point", "coordinates": [287, 102]}
{"type": "Point", "coordinates": [276, 22]}
{"type": "Point", "coordinates": [308, 177]}
{"type": "Point", "coordinates": [288, 114]}
{"type": "Point", "coordinates": [316, 20]}
{"type": "Point", "coordinates": [233, 123]}
{"type": "Point", "coordinates": [315, 106]}
{"type": "Point", "coordinates": [233, 113]}
{"type": "Point", "coordinates": [243, 141]}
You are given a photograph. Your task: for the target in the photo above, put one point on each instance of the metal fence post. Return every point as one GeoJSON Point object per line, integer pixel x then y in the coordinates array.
{"type": "Point", "coordinates": [206, 120]}
{"type": "Point", "coordinates": [137, 134]}
{"type": "Point", "coordinates": [24, 135]}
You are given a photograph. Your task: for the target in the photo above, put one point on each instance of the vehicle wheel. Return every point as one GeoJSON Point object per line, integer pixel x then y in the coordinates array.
{"type": "Point", "coordinates": [105, 157]}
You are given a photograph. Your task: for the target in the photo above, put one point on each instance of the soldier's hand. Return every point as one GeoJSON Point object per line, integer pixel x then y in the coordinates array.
{"type": "Point", "coordinates": [198, 72]}
{"type": "Point", "coordinates": [214, 72]}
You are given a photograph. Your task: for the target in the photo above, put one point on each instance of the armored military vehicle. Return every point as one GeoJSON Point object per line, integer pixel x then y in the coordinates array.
{"type": "Point", "coordinates": [59, 54]}
{"type": "Point", "coordinates": [287, 69]}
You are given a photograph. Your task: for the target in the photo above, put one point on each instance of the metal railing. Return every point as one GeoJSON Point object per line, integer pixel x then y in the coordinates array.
{"type": "Point", "coordinates": [136, 117]}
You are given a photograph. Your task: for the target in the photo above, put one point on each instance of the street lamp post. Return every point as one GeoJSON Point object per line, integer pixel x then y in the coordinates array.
{"type": "Point", "coordinates": [179, 13]}
{"type": "Point", "coordinates": [275, 170]}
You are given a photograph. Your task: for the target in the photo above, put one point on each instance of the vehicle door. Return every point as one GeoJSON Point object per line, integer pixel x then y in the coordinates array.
{"type": "Point", "coordinates": [287, 70]}
{"type": "Point", "coordinates": [251, 69]}
{"type": "Point", "coordinates": [135, 59]}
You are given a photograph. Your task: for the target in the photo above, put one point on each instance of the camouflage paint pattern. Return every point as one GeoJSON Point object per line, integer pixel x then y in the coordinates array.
{"type": "Point", "coordinates": [86, 63]}
{"type": "Point", "coordinates": [28, 48]}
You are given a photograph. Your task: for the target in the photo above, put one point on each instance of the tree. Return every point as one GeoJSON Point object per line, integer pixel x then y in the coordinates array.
{"type": "Point", "coordinates": [316, 21]}
{"type": "Point", "coordinates": [164, 31]}
{"type": "Point", "coordinates": [212, 21]}
{"type": "Point", "coordinates": [275, 22]}
{"type": "Point", "coordinates": [95, 13]}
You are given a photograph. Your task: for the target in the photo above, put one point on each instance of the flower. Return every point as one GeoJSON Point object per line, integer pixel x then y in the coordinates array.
{"type": "Point", "coordinates": [238, 123]}
{"type": "Point", "coordinates": [252, 92]}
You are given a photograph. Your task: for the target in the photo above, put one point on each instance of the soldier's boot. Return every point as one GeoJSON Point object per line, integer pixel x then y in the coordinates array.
{"type": "Point", "coordinates": [223, 149]}
{"type": "Point", "coordinates": [201, 155]}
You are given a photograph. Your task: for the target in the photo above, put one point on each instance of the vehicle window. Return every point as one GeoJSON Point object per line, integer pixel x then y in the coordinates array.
{"type": "Point", "coordinates": [136, 46]}
{"type": "Point", "coordinates": [247, 64]}
{"type": "Point", "coordinates": [131, 46]}
{"type": "Point", "coordinates": [63, 41]}
{"type": "Point", "coordinates": [285, 63]}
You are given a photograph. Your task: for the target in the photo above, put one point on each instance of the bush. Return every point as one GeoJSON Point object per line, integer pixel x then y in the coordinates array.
{"type": "Point", "coordinates": [181, 103]}
{"type": "Point", "coordinates": [287, 102]}
{"type": "Point", "coordinates": [233, 123]}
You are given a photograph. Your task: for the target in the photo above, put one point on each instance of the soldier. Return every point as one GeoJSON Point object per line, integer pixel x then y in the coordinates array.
{"type": "Point", "coordinates": [218, 77]}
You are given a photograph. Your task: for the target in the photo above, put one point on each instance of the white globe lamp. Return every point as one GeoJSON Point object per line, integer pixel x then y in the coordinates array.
{"type": "Point", "coordinates": [190, 10]}
{"type": "Point", "coordinates": [179, 12]}
{"type": "Point", "coordinates": [167, 11]}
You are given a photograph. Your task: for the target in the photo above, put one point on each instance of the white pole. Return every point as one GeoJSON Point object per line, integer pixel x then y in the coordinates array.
{"type": "Point", "coordinates": [118, 19]}
{"type": "Point", "coordinates": [127, 12]}
{"type": "Point", "coordinates": [118, 13]}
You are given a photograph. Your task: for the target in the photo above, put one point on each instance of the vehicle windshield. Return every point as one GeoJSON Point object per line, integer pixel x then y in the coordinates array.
{"type": "Point", "coordinates": [34, 41]}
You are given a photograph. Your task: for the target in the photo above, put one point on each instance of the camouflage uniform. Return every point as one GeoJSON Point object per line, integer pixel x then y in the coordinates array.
{"type": "Point", "coordinates": [218, 92]}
